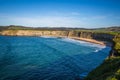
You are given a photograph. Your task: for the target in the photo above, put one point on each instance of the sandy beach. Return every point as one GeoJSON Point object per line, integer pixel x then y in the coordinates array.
{"type": "Point", "coordinates": [89, 40]}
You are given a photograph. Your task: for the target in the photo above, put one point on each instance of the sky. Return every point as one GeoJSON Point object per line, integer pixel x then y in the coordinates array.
{"type": "Point", "coordinates": [60, 13]}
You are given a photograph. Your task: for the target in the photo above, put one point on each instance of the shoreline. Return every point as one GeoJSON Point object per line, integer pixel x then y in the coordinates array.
{"type": "Point", "coordinates": [103, 43]}
{"type": "Point", "coordinates": [89, 40]}
{"type": "Point", "coordinates": [81, 39]}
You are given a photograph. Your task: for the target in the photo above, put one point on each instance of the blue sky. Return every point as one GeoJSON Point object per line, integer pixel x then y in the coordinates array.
{"type": "Point", "coordinates": [60, 13]}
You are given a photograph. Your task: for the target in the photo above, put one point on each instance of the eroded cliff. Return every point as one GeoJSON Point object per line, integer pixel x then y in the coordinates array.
{"type": "Point", "coordinates": [89, 35]}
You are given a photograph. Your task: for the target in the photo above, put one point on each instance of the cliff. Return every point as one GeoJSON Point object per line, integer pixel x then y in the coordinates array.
{"type": "Point", "coordinates": [81, 35]}
{"type": "Point", "coordinates": [110, 68]}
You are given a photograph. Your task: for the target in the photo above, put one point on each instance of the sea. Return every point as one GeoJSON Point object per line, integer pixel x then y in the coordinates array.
{"type": "Point", "coordinates": [48, 58]}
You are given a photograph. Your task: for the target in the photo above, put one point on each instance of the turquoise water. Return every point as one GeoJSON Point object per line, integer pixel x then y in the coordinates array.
{"type": "Point", "coordinates": [47, 58]}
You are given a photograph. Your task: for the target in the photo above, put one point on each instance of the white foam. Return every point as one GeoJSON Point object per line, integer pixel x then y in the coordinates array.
{"type": "Point", "coordinates": [96, 50]}
{"type": "Point", "coordinates": [48, 37]}
{"type": "Point", "coordinates": [72, 40]}
{"type": "Point", "coordinates": [83, 74]}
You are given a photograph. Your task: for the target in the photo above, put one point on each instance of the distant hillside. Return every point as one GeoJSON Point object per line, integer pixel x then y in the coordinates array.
{"type": "Point", "coordinates": [13, 27]}
{"type": "Point", "coordinates": [114, 28]}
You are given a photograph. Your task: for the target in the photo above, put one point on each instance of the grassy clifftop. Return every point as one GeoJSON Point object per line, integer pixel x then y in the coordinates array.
{"type": "Point", "coordinates": [117, 43]}
{"type": "Point", "coordinates": [108, 70]}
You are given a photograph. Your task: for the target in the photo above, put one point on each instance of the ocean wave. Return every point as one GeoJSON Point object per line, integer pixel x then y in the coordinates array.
{"type": "Point", "coordinates": [82, 75]}
{"type": "Point", "coordinates": [48, 37]}
{"type": "Point", "coordinates": [78, 42]}
{"type": "Point", "coordinates": [107, 48]}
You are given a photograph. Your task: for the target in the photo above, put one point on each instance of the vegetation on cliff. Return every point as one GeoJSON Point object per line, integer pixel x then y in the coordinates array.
{"type": "Point", "coordinates": [108, 70]}
{"type": "Point", "coordinates": [117, 43]}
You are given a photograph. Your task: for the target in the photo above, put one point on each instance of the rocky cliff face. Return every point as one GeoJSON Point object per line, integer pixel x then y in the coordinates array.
{"type": "Point", "coordinates": [89, 35]}
{"type": "Point", "coordinates": [33, 33]}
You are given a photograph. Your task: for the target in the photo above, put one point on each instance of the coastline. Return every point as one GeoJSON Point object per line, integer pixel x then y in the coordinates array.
{"type": "Point", "coordinates": [84, 36]}
{"type": "Point", "coordinates": [103, 43]}
{"type": "Point", "coordinates": [82, 39]}
{"type": "Point", "coordinates": [89, 40]}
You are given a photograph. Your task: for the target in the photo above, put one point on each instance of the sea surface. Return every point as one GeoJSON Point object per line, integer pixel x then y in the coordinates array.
{"type": "Point", "coordinates": [48, 58]}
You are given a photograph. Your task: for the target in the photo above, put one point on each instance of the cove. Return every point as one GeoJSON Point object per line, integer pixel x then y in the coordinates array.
{"type": "Point", "coordinates": [48, 58]}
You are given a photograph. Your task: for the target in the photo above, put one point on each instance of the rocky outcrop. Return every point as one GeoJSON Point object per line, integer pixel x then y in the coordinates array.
{"type": "Point", "coordinates": [33, 33]}
{"type": "Point", "coordinates": [88, 35]}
